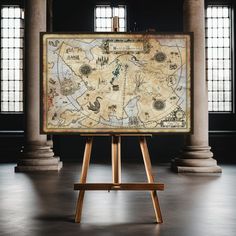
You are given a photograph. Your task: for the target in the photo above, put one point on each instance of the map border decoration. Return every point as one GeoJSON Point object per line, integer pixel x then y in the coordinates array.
{"type": "Point", "coordinates": [135, 133]}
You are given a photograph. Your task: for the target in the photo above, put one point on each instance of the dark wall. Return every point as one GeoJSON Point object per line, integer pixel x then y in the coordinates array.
{"type": "Point", "coordinates": [165, 15]}
{"type": "Point", "coordinates": [73, 15]}
{"type": "Point", "coordinates": [77, 15]}
{"type": "Point", "coordinates": [162, 148]}
{"type": "Point", "coordinates": [158, 15]}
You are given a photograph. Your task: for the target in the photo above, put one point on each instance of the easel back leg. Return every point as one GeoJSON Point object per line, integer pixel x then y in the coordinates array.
{"type": "Point", "coordinates": [116, 159]}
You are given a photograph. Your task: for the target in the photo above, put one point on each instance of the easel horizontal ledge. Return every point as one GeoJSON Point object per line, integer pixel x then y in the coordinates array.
{"type": "Point", "coordinates": [121, 186]}
{"type": "Point", "coordinates": [134, 135]}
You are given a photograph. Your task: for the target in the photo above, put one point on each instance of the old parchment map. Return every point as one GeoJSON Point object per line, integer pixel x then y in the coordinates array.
{"type": "Point", "coordinates": [106, 83]}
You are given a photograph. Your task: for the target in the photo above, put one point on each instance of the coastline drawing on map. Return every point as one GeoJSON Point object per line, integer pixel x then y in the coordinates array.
{"type": "Point", "coordinates": [116, 83]}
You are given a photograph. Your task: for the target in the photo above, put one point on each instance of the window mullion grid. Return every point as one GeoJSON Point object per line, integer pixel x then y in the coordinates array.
{"type": "Point", "coordinates": [107, 18]}
{"type": "Point", "coordinates": [231, 25]}
{"type": "Point", "coordinates": [218, 63]}
{"type": "Point", "coordinates": [11, 63]}
{"type": "Point", "coordinates": [218, 68]}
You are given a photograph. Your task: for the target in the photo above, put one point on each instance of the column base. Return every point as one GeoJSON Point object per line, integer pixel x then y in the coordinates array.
{"type": "Point", "coordinates": [195, 159]}
{"type": "Point", "coordinates": [38, 158]}
{"type": "Point", "coordinates": [29, 168]}
{"type": "Point", "coordinates": [195, 169]}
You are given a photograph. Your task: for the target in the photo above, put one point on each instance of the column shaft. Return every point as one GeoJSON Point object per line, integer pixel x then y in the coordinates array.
{"type": "Point", "coordinates": [36, 154]}
{"type": "Point", "coordinates": [196, 156]}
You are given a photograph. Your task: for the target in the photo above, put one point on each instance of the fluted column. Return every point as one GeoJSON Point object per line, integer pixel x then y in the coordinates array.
{"type": "Point", "coordinates": [36, 154]}
{"type": "Point", "coordinates": [196, 156]}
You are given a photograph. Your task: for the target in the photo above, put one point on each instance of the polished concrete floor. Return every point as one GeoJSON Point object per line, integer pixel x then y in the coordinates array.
{"type": "Point", "coordinates": [44, 203]}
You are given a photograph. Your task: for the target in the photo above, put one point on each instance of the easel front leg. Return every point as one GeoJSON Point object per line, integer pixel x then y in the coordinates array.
{"type": "Point", "coordinates": [83, 177]}
{"type": "Point", "coordinates": [148, 168]}
{"type": "Point", "coordinates": [116, 159]}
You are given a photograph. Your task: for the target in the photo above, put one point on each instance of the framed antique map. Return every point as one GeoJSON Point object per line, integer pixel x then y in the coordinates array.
{"type": "Point", "coordinates": [116, 83]}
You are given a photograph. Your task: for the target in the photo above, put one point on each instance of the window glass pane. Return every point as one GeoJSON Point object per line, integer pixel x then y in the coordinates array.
{"type": "Point", "coordinates": [108, 12]}
{"type": "Point", "coordinates": [122, 23]}
{"type": "Point", "coordinates": [214, 53]}
{"type": "Point", "coordinates": [220, 22]}
{"type": "Point", "coordinates": [214, 12]}
{"type": "Point", "coordinates": [115, 11]}
{"type": "Point", "coordinates": [226, 42]}
{"type": "Point", "coordinates": [108, 23]}
{"type": "Point", "coordinates": [227, 106]}
{"type": "Point", "coordinates": [220, 52]}
{"type": "Point", "coordinates": [209, 12]}
{"type": "Point", "coordinates": [11, 23]}
{"type": "Point", "coordinates": [209, 23]}
{"type": "Point", "coordinates": [103, 11]}
{"type": "Point", "coordinates": [219, 13]}
{"type": "Point", "coordinates": [218, 47]}
{"type": "Point", "coordinates": [209, 42]}
{"type": "Point", "coordinates": [17, 12]}
{"type": "Point", "coordinates": [98, 12]}
{"type": "Point", "coordinates": [121, 12]}
{"type": "Point", "coordinates": [226, 22]}
{"type": "Point", "coordinates": [214, 22]}
{"type": "Point", "coordinates": [220, 64]}
{"type": "Point", "coordinates": [225, 12]}
{"type": "Point", "coordinates": [4, 33]}
{"type": "Point", "coordinates": [17, 108]}
{"type": "Point", "coordinates": [220, 32]}
{"type": "Point", "coordinates": [226, 32]}
{"type": "Point", "coordinates": [4, 12]}
{"type": "Point", "coordinates": [214, 32]}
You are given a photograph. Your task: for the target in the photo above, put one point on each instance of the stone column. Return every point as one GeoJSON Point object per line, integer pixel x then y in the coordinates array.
{"type": "Point", "coordinates": [36, 154]}
{"type": "Point", "coordinates": [196, 156]}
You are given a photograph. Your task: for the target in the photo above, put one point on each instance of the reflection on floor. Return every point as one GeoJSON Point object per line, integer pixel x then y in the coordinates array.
{"type": "Point", "coordinates": [44, 203]}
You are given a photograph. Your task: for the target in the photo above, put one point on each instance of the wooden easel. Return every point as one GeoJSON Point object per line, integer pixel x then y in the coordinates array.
{"type": "Point", "coordinates": [116, 168]}
{"type": "Point", "coordinates": [116, 175]}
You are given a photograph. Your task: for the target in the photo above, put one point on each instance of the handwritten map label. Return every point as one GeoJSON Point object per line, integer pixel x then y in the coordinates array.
{"type": "Point", "coordinates": [126, 46]}
{"type": "Point", "coordinates": [173, 124]}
